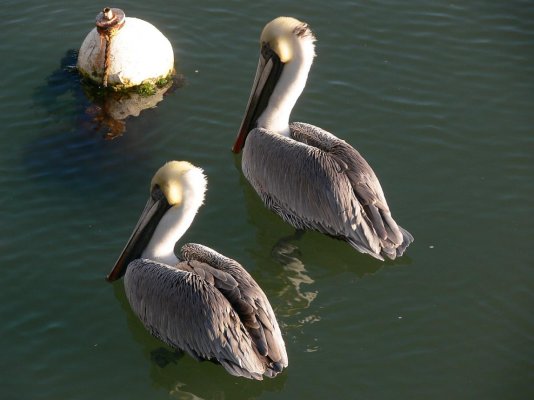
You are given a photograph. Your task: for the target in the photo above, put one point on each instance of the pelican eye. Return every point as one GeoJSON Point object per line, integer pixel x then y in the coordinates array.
{"type": "Point", "coordinates": [157, 193]}
{"type": "Point", "coordinates": [266, 51]}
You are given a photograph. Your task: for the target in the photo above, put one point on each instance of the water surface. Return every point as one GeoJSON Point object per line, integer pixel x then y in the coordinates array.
{"type": "Point", "coordinates": [438, 96]}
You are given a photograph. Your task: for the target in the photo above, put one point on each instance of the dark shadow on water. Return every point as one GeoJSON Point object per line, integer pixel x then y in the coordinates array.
{"type": "Point", "coordinates": [73, 146]}
{"type": "Point", "coordinates": [100, 112]}
{"type": "Point", "coordinates": [185, 378]}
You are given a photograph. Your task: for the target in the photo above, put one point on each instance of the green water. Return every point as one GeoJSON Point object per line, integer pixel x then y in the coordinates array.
{"type": "Point", "coordinates": [438, 96]}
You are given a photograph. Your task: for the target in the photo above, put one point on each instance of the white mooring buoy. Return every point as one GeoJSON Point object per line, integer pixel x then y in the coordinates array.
{"type": "Point", "coordinates": [123, 52]}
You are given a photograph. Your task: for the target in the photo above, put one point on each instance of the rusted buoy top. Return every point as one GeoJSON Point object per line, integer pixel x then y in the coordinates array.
{"type": "Point", "coordinates": [110, 18]}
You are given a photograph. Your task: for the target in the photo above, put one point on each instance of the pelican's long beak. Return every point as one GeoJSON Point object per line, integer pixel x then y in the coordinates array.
{"type": "Point", "coordinates": [155, 208]}
{"type": "Point", "coordinates": [269, 70]}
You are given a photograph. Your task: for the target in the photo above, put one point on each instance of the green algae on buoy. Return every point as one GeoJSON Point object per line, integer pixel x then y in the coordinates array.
{"type": "Point", "coordinates": [123, 52]}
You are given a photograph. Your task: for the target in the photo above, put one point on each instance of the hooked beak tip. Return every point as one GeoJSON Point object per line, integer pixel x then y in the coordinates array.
{"type": "Point", "coordinates": [236, 149]}
{"type": "Point", "coordinates": [240, 140]}
{"type": "Point", "coordinates": [113, 276]}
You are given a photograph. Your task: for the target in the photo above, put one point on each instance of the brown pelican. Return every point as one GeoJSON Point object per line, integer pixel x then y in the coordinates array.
{"type": "Point", "coordinates": [203, 303]}
{"type": "Point", "coordinates": [307, 176]}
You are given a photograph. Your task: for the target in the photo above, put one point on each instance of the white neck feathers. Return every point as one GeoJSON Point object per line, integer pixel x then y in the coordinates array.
{"type": "Point", "coordinates": [177, 219]}
{"type": "Point", "coordinates": [289, 87]}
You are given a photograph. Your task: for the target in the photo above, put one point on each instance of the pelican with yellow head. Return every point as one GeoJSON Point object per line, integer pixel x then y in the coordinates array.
{"type": "Point", "coordinates": [200, 301]}
{"type": "Point", "coordinates": [309, 177]}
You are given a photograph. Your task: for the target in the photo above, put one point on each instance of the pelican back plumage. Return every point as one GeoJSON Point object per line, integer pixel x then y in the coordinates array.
{"type": "Point", "coordinates": [211, 310]}
{"type": "Point", "coordinates": [313, 180]}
